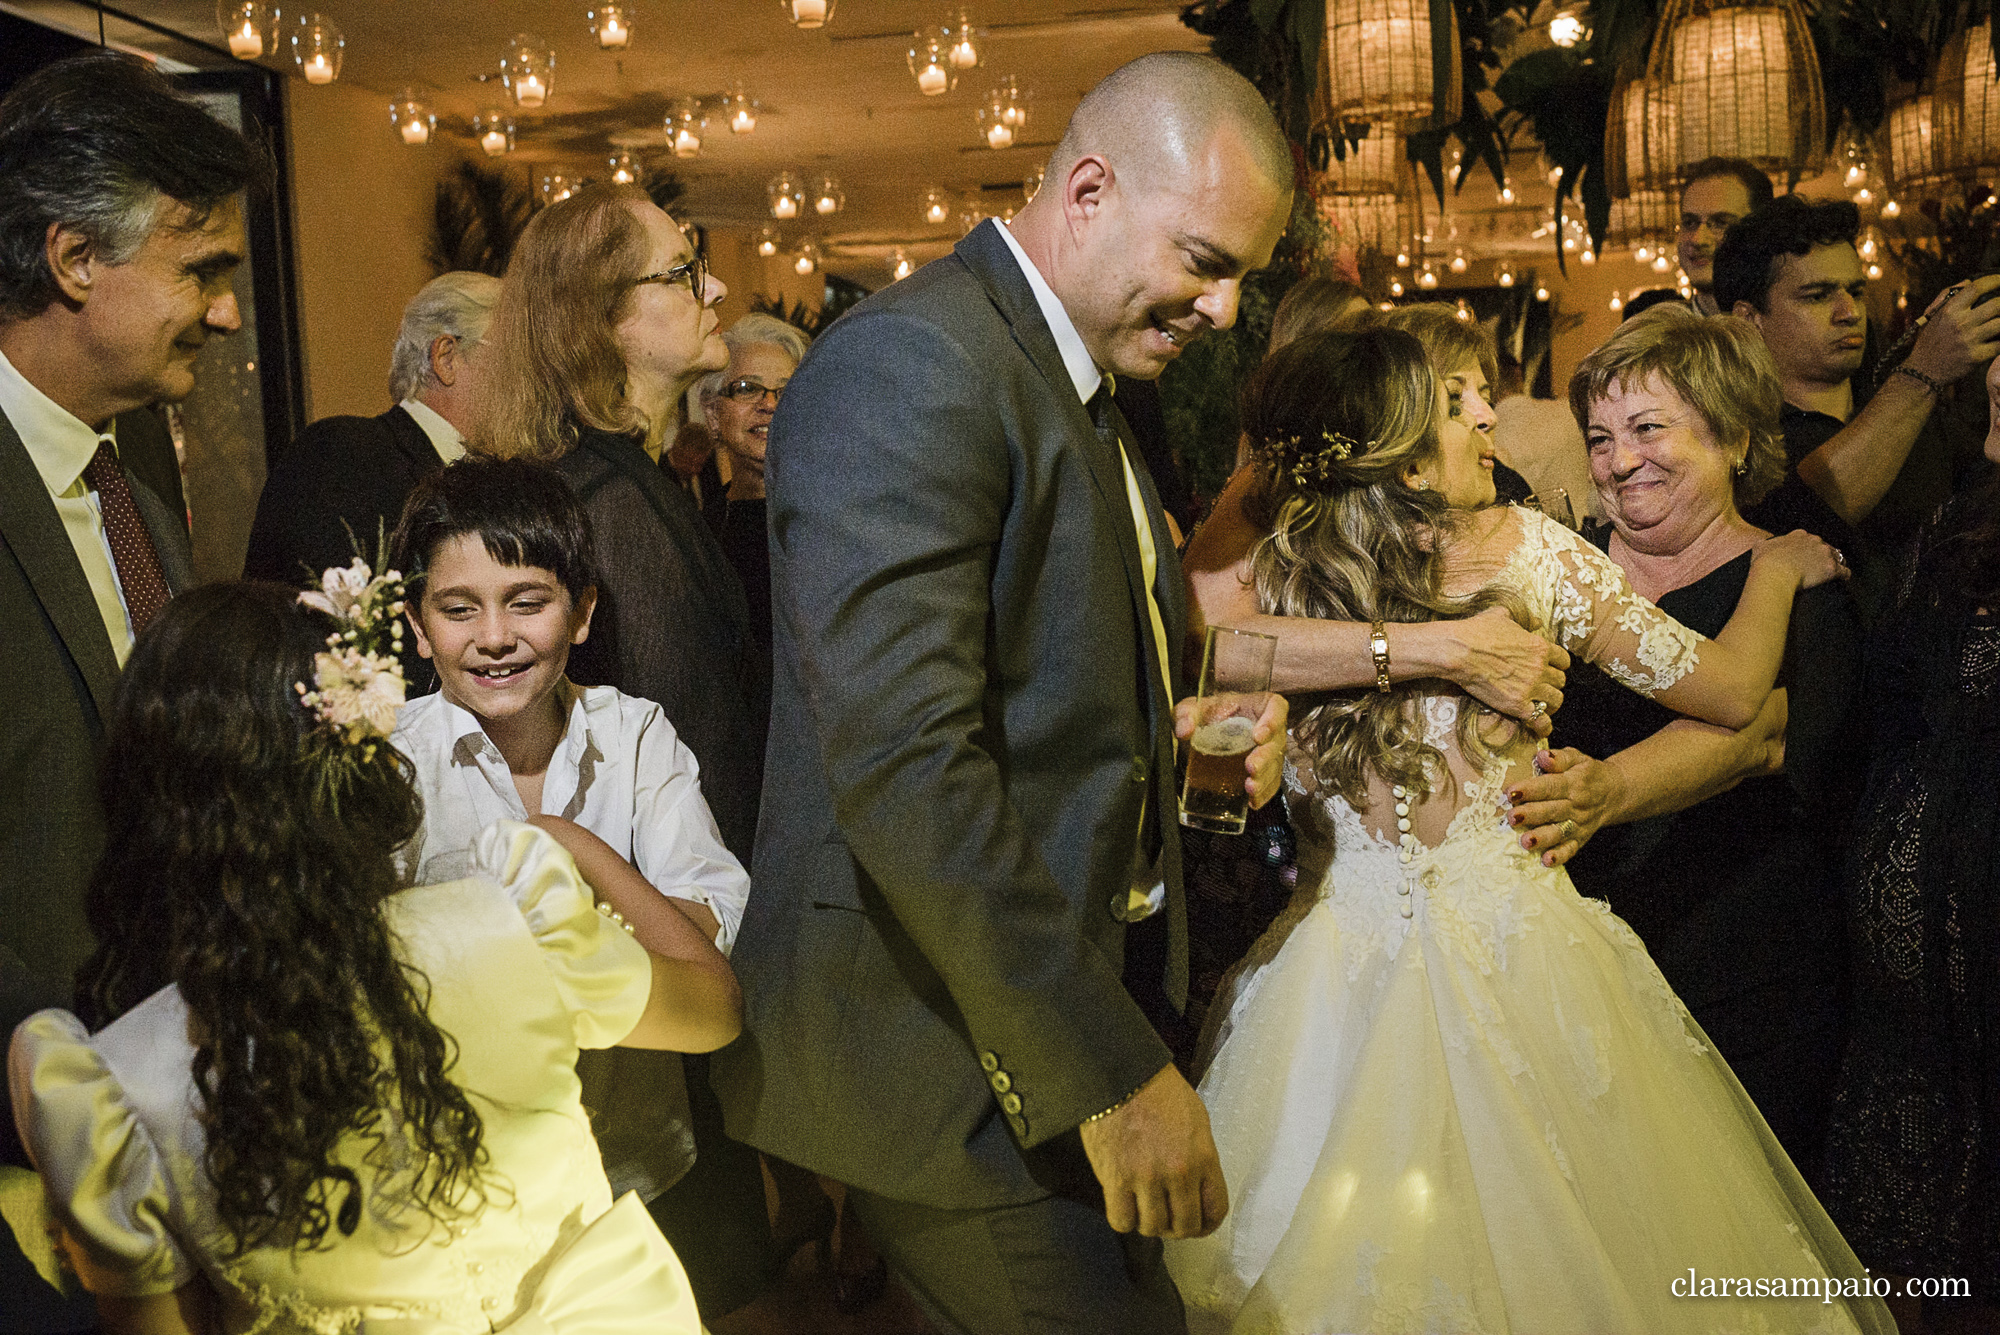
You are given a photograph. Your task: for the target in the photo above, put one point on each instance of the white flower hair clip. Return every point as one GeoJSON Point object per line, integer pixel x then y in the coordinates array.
{"type": "Point", "coordinates": [358, 681]}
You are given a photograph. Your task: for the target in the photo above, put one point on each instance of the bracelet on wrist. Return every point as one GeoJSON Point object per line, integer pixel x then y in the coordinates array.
{"type": "Point", "coordinates": [1098, 1117]}
{"type": "Point", "coordinates": [1378, 645]}
{"type": "Point", "coordinates": [1926, 381]}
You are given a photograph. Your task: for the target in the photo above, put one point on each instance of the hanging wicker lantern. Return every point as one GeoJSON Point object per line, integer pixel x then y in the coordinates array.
{"type": "Point", "coordinates": [1913, 145]}
{"type": "Point", "coordinates": [1744, 81]}
{"type": "Point", "coordinates": [1380, 61]}
{"type": "Point", "coordinates": [1372, 166]}
{"type": "Point", "coordinates": [1965, 110]}
{"type": "Point", "coordinates": [1645, 218]}
{"type": "Point", "coordinates": [1366, 222]}
{"type": "Point", "coordinates": [1641, 138]}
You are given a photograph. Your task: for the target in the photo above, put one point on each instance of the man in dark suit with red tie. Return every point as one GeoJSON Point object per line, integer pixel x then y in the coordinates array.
{"type": "Point", "coordinates": [120, 226]}
{"type": "Point", "coordinates": [967, 867]}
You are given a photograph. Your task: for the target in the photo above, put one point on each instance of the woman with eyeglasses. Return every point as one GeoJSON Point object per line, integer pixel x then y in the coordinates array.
{"type": "Point", "coordinates": [738, 403]}
{"type": "Point", "coordinates": [606, 319]}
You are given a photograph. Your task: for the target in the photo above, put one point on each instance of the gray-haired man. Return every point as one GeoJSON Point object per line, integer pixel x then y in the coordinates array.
{"type": "Point", "coordinates": [353, 473]}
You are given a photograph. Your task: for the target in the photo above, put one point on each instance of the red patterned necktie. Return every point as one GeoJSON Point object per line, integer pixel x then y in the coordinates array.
{"type": "Point", "coordinates": [139, 573]}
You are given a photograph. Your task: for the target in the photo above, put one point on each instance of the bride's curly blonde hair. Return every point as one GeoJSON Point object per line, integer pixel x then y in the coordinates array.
{"type": "Point", "coordinates": [1337, 421]}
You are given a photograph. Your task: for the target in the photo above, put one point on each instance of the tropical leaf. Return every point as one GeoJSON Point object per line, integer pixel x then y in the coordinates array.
{"type": "Point", "coordinates": [476, 218]}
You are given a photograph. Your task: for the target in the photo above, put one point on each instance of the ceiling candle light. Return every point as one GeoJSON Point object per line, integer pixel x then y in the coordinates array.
{"type": "Point", "coordinates": [808, 13]}
{"type": "Point", "coordinates": [1617, 303]}
{"type": "Point", "coordinates": [412, 117]}
{"type": "Point", "coordinates": [787, 196]}
{"type": "Point", "coordinates": [611, 24]}
{"type": "Point", "coordinates": [556, 188]}
{"type": "Point", "coordinates": [1428, 279]}
{"type": "Point", "coordinates": [827, 196]}
{"type": "Point", "coordinates": [807, 259]}
{"type": "Point", "coordinates": [1003, 115]}
{"type": "Point", "coordinates": [936, 206]}
{"type": "Point", "coordinates": [742, 111]}
{"type": "Point", "coordinates": [685, 122]}
{"type": "Point", "coordinates": [964, 53]}
{"type": "Point", "coordinates": [1507, 276]}
{"type": "Point", "coordinates": [972, 211]}
{"type": "Point", "coordinates": [902, 267]}
{"type": "Point", "coordinates": [931, 63]}
{"type": "Point", "coordinates": [1031, 184]}
{"type": "Point", "coordinates": [1395, 287]}
{"type": "Point", "coordinates": [1459, 263]}
{"type": "Point", "coordinates": [1541, 294]}
{"type": "Point", "coordinates": [528, 70]}
{"type": "Point", "coordinates": [767, 241]}
{"type": "Point", "coordinates": [624, 169]}
{"type": "Point", "coordinates": [494, 132]}
{"type": "Point", "coordinates": [250, 26]}
{"type": "Point", "coordinates": [316, 49]}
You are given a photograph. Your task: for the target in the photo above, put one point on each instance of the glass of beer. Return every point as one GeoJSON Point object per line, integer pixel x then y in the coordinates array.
{"type": "Point", "coordinates": [1234, 688]}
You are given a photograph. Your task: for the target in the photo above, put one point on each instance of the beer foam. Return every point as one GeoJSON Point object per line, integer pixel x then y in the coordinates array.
{"type": "Point", "coordinates": [1226, 737]}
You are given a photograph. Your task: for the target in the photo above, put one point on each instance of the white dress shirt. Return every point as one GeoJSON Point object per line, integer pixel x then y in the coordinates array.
{"type": "Point", "coordinates": [620, 772]}
{"type": "Point", "coordinates": [61, 446]}
{"type": "Point", "coordinates": [445, 437]}
{"type": "Point", "coordinates": [1149, 890]}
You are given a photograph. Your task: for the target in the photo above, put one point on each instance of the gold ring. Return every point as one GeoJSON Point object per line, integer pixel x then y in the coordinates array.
{"type": "Point", "coordinates": [1568, 828]}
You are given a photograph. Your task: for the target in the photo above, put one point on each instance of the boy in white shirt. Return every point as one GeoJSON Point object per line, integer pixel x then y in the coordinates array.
{"type": "Point", "coordinates": [502, 584]}
{"type": "Point", "coordinates": [502, 581]}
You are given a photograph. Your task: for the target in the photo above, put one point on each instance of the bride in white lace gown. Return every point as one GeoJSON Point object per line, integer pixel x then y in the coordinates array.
{"type": "Point", "coordinates": [1451, 1095]}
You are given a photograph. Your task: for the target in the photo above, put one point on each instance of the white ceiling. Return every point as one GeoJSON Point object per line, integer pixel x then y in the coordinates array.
{"type": "Point", "coordinates": [838, 100]}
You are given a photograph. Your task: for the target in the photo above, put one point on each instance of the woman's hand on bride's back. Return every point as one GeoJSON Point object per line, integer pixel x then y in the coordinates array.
{"type": "Point", "coordinates": [1815, 560]}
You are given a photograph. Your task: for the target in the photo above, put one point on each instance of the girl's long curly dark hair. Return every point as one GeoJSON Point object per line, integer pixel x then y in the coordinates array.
{"type": "Point", "coordinates": [235, 872]}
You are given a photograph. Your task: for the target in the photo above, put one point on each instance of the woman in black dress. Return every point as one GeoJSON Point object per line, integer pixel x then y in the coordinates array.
{"type": "Point", "coordinates": [1912, 1174]}
{"type": "Point", "coordinates": [1724, 867]}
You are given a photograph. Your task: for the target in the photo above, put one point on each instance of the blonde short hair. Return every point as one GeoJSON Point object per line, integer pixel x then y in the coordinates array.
{"type": "Point", "coordinates": [1718, 366]}
{"type": "Point", "coordinates": [1449, 341]}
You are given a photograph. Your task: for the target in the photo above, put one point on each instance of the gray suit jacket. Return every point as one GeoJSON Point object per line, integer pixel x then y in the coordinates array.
{"type": "Point", "coordinates": [967, 719]}
{"type": "Point", "coordinates": [57, 678]}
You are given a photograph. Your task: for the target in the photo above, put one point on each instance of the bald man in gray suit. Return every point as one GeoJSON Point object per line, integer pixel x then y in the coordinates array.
{"type": "Point", "coordinates": [970, 799]}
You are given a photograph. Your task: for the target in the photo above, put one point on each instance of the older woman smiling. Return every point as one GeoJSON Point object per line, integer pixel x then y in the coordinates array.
{"type": "Point", "coordinates": [1734, 895]}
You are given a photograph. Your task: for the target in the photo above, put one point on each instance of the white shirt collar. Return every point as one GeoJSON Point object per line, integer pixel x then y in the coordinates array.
{"type": "Point", "coordinates": [1083, 372]}
{"type": "Point", "coordinates": [445, 437]}
{"type": "Point", "coordinates": [61, 443]}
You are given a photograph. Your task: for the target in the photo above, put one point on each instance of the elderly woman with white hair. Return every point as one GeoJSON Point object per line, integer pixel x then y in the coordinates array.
{"type": "Point", "coordinates": [738, 402]}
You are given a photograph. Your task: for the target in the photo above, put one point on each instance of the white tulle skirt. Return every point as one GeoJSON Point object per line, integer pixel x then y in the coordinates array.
{"type": "Point", "coordinates": [1490, 1116]}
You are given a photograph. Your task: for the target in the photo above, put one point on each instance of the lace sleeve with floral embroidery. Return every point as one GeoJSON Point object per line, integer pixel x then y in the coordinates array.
{"type": "Point", "coordinates": [1600, 617]}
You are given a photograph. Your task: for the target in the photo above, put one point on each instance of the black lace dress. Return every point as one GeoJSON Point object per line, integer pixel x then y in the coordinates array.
{"type": "Point", "coordinates": [1737, 897]}
{"type": "Point", "coordinates": [1913, 1165]}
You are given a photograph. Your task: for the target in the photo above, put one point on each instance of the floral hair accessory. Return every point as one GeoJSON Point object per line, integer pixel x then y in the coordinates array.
{"type": "Point", "coordinates": [1310, 464]}
{"type": "Point", "coordinates": [357, 679]}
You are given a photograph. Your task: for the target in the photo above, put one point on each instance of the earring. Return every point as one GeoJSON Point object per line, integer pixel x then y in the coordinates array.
{"type": "Point", "coordinates": [1423, 484]}
{"type": "Point", "coordinates": [1743, 465]}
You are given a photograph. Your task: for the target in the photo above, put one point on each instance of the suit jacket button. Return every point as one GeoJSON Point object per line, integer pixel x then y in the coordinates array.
{"type": "Point", "coordinates": [988, 1063]}
{"type": "Point", "coordinates": [1138, 769]}
{"type": "Point", "coordinates": [1010, 1104]}
{"type": "Point", "coordinates": [1019, 1126]}
{"type": "Point", "coordinates": [1001, 1082]}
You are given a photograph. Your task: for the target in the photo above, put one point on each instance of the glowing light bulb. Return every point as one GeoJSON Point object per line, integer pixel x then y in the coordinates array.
{"type": "Point", "coordinates": [1541, 294]}
{"type": "Point", "coordinates": [1856, 175]}
{"type": "Point", "coordinates": [1864, 197]}
{"type": "Point", "coordinates": [1506, 278]}
{"type": "Point", "coordinates": [1589, 256]}
{"type": "Point", "coordinates": [1642, 253]}
{"type": "Point", "coordinates": [1402, 259]}
{"type": "Point", "coordinates": [1874, 271]}
{"type": "Point", "coordinates": [1458, 262]}
{"type": "Point", "coordinates": [1427, 280]}
{"type": "Point", "coordinates": [1566, 30]}
{"type": "Point", "coordinates": [1891, 209]}
{"type": "Point", "coordinates": [1661, 263]}
{"type": "Point", "coordinates": [1395, 287]}
{"type": "Point", "coordinates": [1507, 194]}
{"type": "Point", "coordinates": [1617, 302]}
